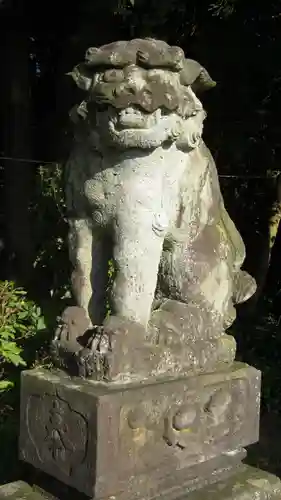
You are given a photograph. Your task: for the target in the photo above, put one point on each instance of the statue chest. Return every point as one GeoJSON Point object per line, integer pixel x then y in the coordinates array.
{"type": "Point", "coordinates": [149, 183]}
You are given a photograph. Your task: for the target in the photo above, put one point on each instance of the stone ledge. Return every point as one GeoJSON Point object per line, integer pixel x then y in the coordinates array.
{"type": "Point", "coordinates": [248, 484]}
{"type": "Point", "coordinates": [19, 490]}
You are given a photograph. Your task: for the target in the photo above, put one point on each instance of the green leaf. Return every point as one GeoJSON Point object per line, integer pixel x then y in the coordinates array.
{"type": "Point", "coordinates": [23, 315]}
{"type": "Point", "coordinates": [7, 332]}
{"type": "Point", "coordinates": [15, 359]}
{"type": "Point", "coordinates": [5, 384]}
{"type": "Point", "coordinates": [7, 335]}
{"type": "Point", "coordinates": [21, 328]}
{"type": "Point", "coordinates": [11, 352]}
{"type": "Point", "coordinates": [41, 323]}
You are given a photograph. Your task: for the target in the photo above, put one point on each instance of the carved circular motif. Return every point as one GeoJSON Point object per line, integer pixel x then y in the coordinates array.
{"type": "Point", "coordinates": [98, 217]}
{"type": "Point", "coordinates": [218, 405]}
{"type": "Point", "coordinates": [184, 418]}
{"type": "Point", "coordinates": [181, 424]}
{"type": "Point", "coordinates": [136, 418]}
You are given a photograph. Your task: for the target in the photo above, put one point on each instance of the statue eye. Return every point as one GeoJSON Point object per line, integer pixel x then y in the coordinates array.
{"type": "Point", "coordinates": [113, 75]}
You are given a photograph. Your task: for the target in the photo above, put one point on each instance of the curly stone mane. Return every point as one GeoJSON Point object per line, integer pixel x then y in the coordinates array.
{"type": "Point", "coordinates": [146, 73]}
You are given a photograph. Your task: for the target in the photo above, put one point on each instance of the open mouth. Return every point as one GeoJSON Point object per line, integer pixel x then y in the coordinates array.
{"type": "Point", "coordinates": [131, 118]}
{"type": "Point", "coordinates": [135, 118]}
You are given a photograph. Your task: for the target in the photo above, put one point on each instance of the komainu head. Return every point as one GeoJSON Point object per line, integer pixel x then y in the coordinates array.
{"type": "Point", "coordinates": [141, 93]}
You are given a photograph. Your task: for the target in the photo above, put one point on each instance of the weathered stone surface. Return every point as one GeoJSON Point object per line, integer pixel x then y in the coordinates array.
{"type": "Point", "coordinates": [19, 490]}
{"type": "Point", "coordinates": [121, 350]}
{"type": "Point", "coordinates": [249, 484]}
{"type": "Point", "coordinates": [106, 438]}
{"type": "Point", "coordinates": [142, 189]}
{"type": "Point", "coordinates": [240, 483]}
{"type": "Point", "coordinates": [70, 337]}
{"type": "Point", "coordinates": [158, 406]}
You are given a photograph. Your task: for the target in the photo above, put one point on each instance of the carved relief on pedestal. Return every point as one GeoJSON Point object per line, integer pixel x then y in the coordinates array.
{"type": "Point", "coordinates": [199, 421]}
{"type": "Point", "coordinates": [207, 419]}
{"type": "Point", "coordinates": [95, 437]}
{"type": "Point", "coordinates": [58, 432]}
{"type": "Point", "coordinates": [182, 426]}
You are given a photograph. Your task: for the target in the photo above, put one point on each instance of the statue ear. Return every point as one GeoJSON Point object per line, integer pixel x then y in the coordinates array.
{"type": "Point", "coordinates": [81, 76]}
{"type": "Point", "coordinates": [196, 76]}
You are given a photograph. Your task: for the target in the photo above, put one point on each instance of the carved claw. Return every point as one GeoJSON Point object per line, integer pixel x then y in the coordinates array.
{"type": "Point", "coordinates": [91, 360]}
{"type": "Point", "coordinates": [86, 363]}
{"type": "Point", "coordinates": [99, 342]}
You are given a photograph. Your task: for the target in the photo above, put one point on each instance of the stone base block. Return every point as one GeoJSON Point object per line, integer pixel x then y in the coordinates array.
{"type": "Point", "coordinates": [248, 484]}
{"type": "Point", "coordinates": [19, 490]}
{"type": "Point", "coordinates": [138, 440]}
{"type": "Point", "coordinates": [122, 350]}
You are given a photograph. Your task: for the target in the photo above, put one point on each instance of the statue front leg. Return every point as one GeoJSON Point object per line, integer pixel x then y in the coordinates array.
{"type": "Point", "coordinates": [137, 251]}
{"type": "Point", "coordinates": [89, 254]}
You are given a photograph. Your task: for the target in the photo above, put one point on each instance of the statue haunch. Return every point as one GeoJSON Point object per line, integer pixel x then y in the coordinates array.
{"type": "Point", "coordinates": [142, 188]}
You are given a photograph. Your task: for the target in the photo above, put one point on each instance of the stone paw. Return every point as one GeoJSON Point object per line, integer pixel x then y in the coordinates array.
{"type": "Point", "coordinates": [69, 339]}
{"type": "Point", "coordinates": [99, 342]}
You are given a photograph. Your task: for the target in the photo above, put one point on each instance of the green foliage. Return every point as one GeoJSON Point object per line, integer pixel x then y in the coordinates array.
{"type": "Point", "coordinates": [22, 330]}
{"type": "Point", "coordinates": [52, 267]}
{"type": "Point", "coordinates": [20, 319]}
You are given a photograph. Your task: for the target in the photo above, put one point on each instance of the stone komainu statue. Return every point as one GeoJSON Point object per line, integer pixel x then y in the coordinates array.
{"type": "Point", "coordinates": [142, 188]}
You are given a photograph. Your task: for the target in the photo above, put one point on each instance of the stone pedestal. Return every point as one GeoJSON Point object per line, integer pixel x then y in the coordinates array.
{"type": "Point", "coordinates": [138, 439]}
{"type": "Point", "coordinates": [172, 437]}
